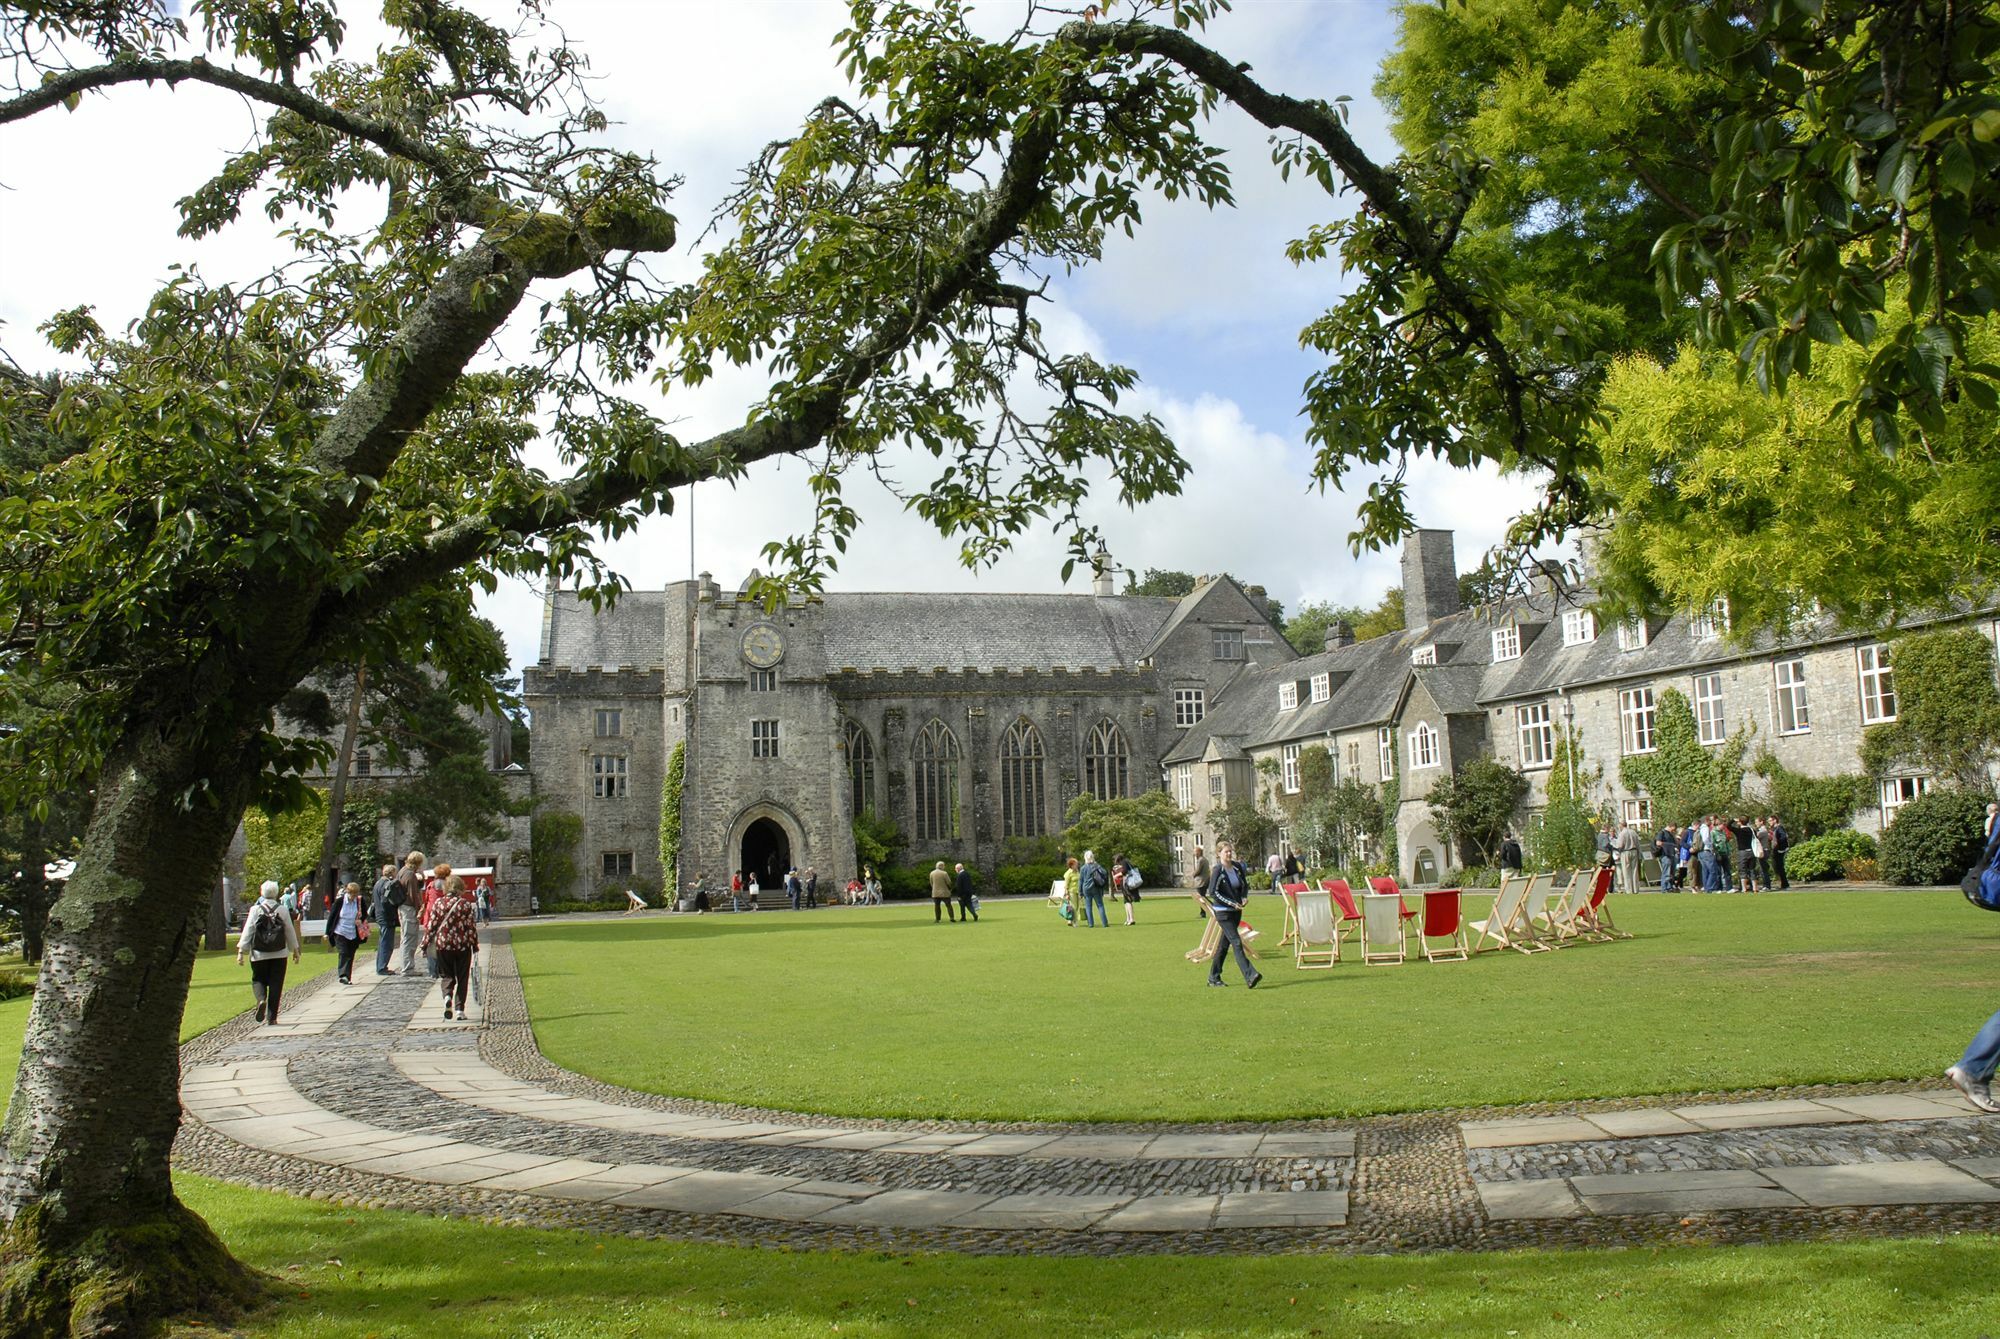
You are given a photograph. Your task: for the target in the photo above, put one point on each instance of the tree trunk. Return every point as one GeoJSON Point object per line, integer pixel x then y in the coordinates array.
{"type": "Point", "coordinates": [95, 1242]}
{"type": "Point", "coordinates": [34, 899]}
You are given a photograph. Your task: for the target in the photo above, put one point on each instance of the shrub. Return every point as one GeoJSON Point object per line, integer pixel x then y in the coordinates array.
{"type": "Point", "coordinates": [905, 882]}
{"type": "Point", "coordinates": [570, 906]}
{"type": "Point", "coordinates": [1824, 856]}
{"type": "Point", "coordinates": [15, 983]}
{"type": "Point", "coordinates": [1472, 876]}
{"type": "Point", "coordinates": [612, 890]}
{"type": "Point", "coordinates": [1862, 869]}
{"type": "Point", "coordinates": [1935, 838]}
{"type": "Point", "coordinates": [1026, 880]}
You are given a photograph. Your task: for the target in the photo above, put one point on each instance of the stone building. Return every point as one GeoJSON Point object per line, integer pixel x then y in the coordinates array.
{"type": "Point", "coordinates": [1505, 679]}
{"type": "Point", "coordinates": [965, 718]}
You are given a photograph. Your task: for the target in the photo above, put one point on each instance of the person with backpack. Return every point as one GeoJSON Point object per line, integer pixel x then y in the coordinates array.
{"type": "Point", "coordinates": [1130, 881]}
{"type": "Point", "coordinates": [1973, 1074]}
{"type": "Point", "coordinates": [269, 937]}
{"type": "Point", "coordinates": [451, 937]}
{"type": "Point", "coordinates": [384, 901]}
{"type": "Point", "coordinates": [1091, 881]}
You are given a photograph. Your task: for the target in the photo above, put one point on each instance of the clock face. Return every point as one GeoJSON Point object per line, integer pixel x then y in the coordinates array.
{"type": "Point", "coordinates": [763, 645]}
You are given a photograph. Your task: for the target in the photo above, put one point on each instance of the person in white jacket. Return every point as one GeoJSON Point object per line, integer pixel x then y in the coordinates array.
{"type": "Point", "coordinates": [269, 937]}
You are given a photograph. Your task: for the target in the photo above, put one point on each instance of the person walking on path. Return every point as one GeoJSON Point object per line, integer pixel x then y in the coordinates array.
{"type": "Point", "coordinates": [346, 929]}
{"type": "Point", "coordinates": [1200, 884]}
{"type": "Point", "coordinates": [411, 879]}
{"type": "Point", "coordinates": [451, 937]}
{"type": "Point", "coordinates": [1781, 842]}
{"type": "Point", "coordinates": [269, 937]}
{"type": "Point", "coordinates": [1228, 890]}
{"type": "Point", "coordinates": [1073, 892]}
{"type": "Point", "coordinates": [1510, 855]}
{"type": "Point", "coordinates": [1129, 883]}
{"type": "Point", "coordinates": [383, 905]}
{"type": "Point", "coordinates": [1973, 1074]}
{"type": "Point", "coordinates": [941, 895]}
{"type": "Point", "coordinates": [1626, 847]}
{"type": "Point", "coordinates": [874, 886]}
{"type": "Point", "coordinates": [1090, 881]}
{"type": "Point", "coordinates": [962, 885]}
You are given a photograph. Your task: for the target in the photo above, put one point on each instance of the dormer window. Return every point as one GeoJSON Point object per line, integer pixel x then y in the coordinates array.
{"type": "Point", "coordinates": [1708, 623]}
{"type": "Point", "coordinates": [1425, 655]}
{"type": "Point", "coordinates": [1288, 697]}
{"type": "Point", "coordinates": [1632, 634]}
{"type": "Point", "coordinates": [1579, 627]}
{"type": "Point", "coordinates": [1322, 687]}
{"type": "Point", "coordinates": [1506, 643]}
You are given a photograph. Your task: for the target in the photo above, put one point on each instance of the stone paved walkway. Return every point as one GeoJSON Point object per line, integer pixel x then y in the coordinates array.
{"type": "Point", "coordinates": [366, 1094]}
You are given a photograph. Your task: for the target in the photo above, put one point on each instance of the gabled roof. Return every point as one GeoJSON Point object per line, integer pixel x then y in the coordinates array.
{"type": "Point", "coordinates": [1194, 599]}
{"type": "Point", "coordinates": [926, 630]}
{"type": "Point", "coordinates": [631, 634]}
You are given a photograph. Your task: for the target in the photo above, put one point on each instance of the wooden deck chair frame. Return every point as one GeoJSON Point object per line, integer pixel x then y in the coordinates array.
{"type": "Point", "coordinates": [1316, 937]}
{"type": "Point", "coordinates": [1454, 948]}
{"type": "Point", "coordinates": [1211, 934]}
{"type": "Point", "coordinates": [1290, 892]}
{"type": "Point", "coordinates": [1384, 883]}
{"type": "Point", "coordinates": [1594, 916]}
{"type": "Point", "coordinates": [1506, 926]}
{"type": "Point", "coordinates": [1540, 913]}
{"type": "Point", "coordinates": [1568, 917]}
{"type": "Point", "coordinates": [1346, 914]}
{"type": "Point", "coordinates": [1388, 911]}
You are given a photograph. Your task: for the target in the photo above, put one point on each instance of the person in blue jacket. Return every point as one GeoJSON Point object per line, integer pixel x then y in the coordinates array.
{"type": "Point", "coordinates": [1228, 889]}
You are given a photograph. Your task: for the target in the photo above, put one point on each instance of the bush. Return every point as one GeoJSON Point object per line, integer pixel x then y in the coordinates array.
{"type": "Point", "coordinates": [613, 889]}
{"type": "Point", "coordinates": [15, 983]}
{"type": "Point", "coordinates": [903, 883]}
{"type": "Point", "coordinates": [1935, 838]}
{"type": "Point", "coordinates": [571, 906]}
{"type": "Point", "coordinates": [1824, 856]}
{"type": "Point", "coordinates": [1472, 876]}
{"type": "Point", "coordinates": [1862, 869]}
{"type": "Point", "coordinates": [1027, 880]}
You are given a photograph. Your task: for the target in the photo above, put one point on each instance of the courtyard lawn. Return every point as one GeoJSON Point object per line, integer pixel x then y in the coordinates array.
{"type": "Point", "coordinates": [219, 992]}
{"type": "Point", "coordinates": [352, 1274]}
{"type": "Point", "coordinates": [881, 1012]}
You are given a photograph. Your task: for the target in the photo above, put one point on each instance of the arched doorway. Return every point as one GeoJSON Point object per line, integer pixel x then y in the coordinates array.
{"type": "Point", "coordinates": [767, 852]}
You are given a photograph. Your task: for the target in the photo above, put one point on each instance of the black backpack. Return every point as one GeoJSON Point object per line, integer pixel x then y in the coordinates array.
{"type": "Point", "coordinates": [268, 934]}
{"type": "Point", "coordinates": [1981, 884]}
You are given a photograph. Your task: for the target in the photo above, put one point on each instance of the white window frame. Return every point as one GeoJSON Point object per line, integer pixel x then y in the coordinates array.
{"type": "Point", "coordinates": [1288, 761]}
{"type": "Point", "coordinates": [609, 723]}
{"type": "Point", "coordinates": [1322, 687]}
{"type": "Point", "coordinates": [1535, 730]}
{"type": "Point", "coordinates": [1711, 621]}
{"type": "Point", "coordinates": [1424, 750]}
{"type": "Point", "coordinates": [1177, 842]}
{"type": "Point", "coordinates": [1638, 717]}
{"type": "Point", "coordinates": [1639, 812]}
{"type": "Point", "coordinates": [1214, 779]}
{"type": "Point", "coordinates": [1898, 791]}
{"type": "Point", "coordinates": [1711, 717]}
{"type": "Point", "coordinates": [1788, 679]}
{"type": "Point", "coordinates": [1506, 643]}
{"type": "Point", "coordinates": [609, 776]}
{"type": "Point", "coordinates": [1385, 748]}
{"type": "Point", "coordinates": [764, 738]}
{"type": "Point", "coordinates": [1190, 705]}
{"type": "Point", "coordinates": [1633, 635]}
{"type": "Point", "coordinates": [1877, 682]}
{"type": "Point", "coordinates": [1288, 696]}
{"type": "Point", "coordinates": [1354, 759]}
{"type": "Point", "coordinates": [1184, 785]}
{"type": "Point", "coordinates": [1579, 627]}
{"type": "Point", "coordinates": [1427, 654]}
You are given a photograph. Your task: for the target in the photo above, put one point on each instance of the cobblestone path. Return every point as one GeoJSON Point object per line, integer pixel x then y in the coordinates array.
{"type": "Point", "coordinates": [366, 1095]}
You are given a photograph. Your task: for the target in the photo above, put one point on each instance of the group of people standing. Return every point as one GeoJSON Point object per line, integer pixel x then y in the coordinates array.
{"type": "Point", "coordinates": [1718, 854]}
{"type": "Point", "coordinates": [1087, 883]}
{"type": "Point", "coordinates": [949, 888]}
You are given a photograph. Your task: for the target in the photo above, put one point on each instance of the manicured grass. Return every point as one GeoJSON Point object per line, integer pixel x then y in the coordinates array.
{"type": "Point", "coordinates": [220, 991]}
{"type": "Point", "coordinates": [358, 1274]}
{"type": "Point", "coordinates": [881, 1012]}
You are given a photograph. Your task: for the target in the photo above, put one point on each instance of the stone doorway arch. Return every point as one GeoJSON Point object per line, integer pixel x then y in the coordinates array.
{"type": "Point", "coordinates": [766, 841]}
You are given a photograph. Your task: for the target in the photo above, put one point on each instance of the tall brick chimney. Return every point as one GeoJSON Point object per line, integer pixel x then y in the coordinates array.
{"type": "Point", "coordinates": [1430, 578]}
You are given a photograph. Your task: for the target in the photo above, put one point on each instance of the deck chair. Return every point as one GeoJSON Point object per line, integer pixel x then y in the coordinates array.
{"type": "Point", "coordinates": [1346, 915]}
{"type": "Point", "coordinates": [1594, 916]}
{"type": "Point", "coordinates": [1444, 918]}
{"type": "Point", "coordinates": [1506, 926]}
{"type": "Point", "coordinates": [1211, 934]}
{"type": "Point", "coordinates": [1384, 884]}
{"type": "Point", "coordinates": [1562, 917]}
{"type": "Point", "coordinates": [1382, 930]}
{"type": "Point", "coordinates": [1315, 940]}
{"type": "Point", "coordinates": [1538, 908]}
{"type": "Point", "coordinates": [1290, 892]}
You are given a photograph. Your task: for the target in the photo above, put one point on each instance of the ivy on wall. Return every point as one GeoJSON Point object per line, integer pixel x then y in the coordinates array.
{"type": "Point", "coordinates": [670, 817]}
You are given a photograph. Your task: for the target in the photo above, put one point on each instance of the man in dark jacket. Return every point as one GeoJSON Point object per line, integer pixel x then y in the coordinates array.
{"type": "Point", "coordinates": [1510, 855]}
{"type": "Point", "coordinates": [1228, 890]}
{"type": "Point", "coordinates": [962, 884]}
{"type": "Point", "coordinates": [1200, 884]}
{"type": "Point", "coordinates": [1781, 842]}
{"type": "Point", "coordinates": [385, 901]}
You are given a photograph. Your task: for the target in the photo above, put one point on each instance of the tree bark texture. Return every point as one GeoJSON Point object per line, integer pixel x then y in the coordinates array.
{"type": "Point", "coordinates": [95, 1242]}
{"type": "Point", "coordinates": [34, 895]}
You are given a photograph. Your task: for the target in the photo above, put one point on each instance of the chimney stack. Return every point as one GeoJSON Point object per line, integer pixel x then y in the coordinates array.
{"type": "Point", "coordinates": [1430, 579]}
{"type": "Point", "coordinates": [1259, 597]}
{"type": "Point", "coordinates": [1339, 635]}
{"type": "Point", "coordinates": [1104, 582]}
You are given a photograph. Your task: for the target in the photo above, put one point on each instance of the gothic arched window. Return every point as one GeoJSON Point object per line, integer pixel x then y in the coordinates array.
{"type": "Point", "coordinates": [860, 769]}
{"type": "Point", "coordinates": [1106, 762]}
{"type": "Point", "coordinates": [1022, 813]}
{"type": "Point", "coordinates": [934, 782]}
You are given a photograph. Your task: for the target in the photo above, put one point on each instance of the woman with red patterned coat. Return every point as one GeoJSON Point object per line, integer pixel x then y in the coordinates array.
{"type": "Point", "coordinates": [452, 937]}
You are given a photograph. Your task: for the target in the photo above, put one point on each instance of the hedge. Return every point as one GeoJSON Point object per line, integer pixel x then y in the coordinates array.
{"type": "Point", "coordinates": [1826, 856]}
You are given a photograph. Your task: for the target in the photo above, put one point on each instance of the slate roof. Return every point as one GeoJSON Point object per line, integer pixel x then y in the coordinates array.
{"type": "Point", "coordinates": [922, 631]}
{"type": "Point", "coordinates": [631, 634]}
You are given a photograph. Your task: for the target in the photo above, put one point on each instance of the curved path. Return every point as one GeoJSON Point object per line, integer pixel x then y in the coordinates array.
{"type": "Point", "coordinates": [365, 1094]}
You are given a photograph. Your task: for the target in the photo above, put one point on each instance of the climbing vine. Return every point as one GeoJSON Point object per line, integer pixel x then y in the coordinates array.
{"type": "Point", "coordinates": [670, 818]}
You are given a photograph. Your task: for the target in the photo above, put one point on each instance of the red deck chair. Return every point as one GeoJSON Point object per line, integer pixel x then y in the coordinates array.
{"type": "Point", "coordinates": [1290, 892]}
{"type": "Point", "coordinates": [1347, 914]}
{"type": "Point", "coordinates": [1444, 918]}
{"type": "Point", "coordinates": [1593, 918]}
{"type": "Point", "coordinates": [1386, 885]}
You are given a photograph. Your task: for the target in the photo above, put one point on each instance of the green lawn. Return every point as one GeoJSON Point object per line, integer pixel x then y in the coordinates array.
{"type": "Point", "coordinates": [221, 990]}
{"type": "Point", "coordinates": [881, 1012]}
{"type": "Point", "coordinates": [356, 1275]}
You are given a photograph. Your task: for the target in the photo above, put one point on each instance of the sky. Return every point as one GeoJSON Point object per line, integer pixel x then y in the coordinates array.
{"type": "Point", "coordinates": [1203, 304]}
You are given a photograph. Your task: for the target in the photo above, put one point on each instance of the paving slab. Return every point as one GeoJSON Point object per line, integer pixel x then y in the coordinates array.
{"type": "Point", "coordinates": [1533, 1130]}
{"type": "Point", "coordinates": [1001, 1146]}
{"type": "Point", "coordinates": [1508, 1200]}
{"type": "Point", "coordinates": [862, 1140]}
{"type": "Point", "coordinates": [1917, 1181]}
{"type": "Point", "coordinates": [1654, 1182]}
{"type": "Point", "coordinates": [1645, 1123]}
{"type": "Point", "coordinates": [1690, 1201]}
{"type": "Point", "coordinates": [548, 1174]}
{"type": "Point", "coordinates": [1893, 1106]}
{"type": "Point", "coordinates": [1204, 1146]}
{"type": "Point", "coordinates": [909, 1208]}
{"type": "Point", "coordinates": [1283, 1208]}
{"type": "Point", "coordinates": [1762, 1115]}
{"type": "Point", "coordinates": [791, 1206]}
{"type": "Point", "coordinates": [1103, 1147]}
{"type": "Point", "coordinates": [852, 1190]}
{"type": "Point", "coordinates": [1308, 1144]}
{"type": "Point", "coordinates": [1986, 1167]}
{"type": "Point", "coordinates": [1059, 1212]}
{"type": "Point", "coordinates": [707, 1192]}
{"type": "Point", "coordinates": [1163, 1213]}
